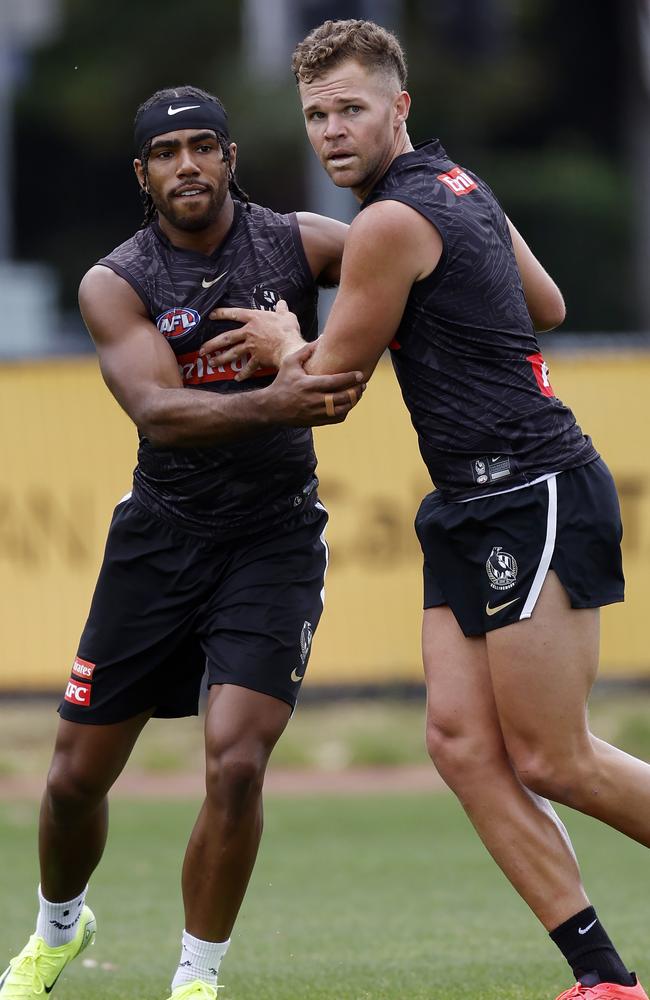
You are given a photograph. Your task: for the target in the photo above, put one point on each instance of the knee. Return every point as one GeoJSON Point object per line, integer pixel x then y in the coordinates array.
{"type": "Point", "coordinates": [551, 775]}
{"type": "Point", "coordinates": [456, 752]}
{"type": "Point", "coordinates": [72, 787]}
{"type": "Point", "coordinates": [234, 778]}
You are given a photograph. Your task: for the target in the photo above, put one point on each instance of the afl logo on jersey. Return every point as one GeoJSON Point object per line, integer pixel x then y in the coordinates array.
{"type": "Point", "coordinates": [501, 569]}
{"type": "Point", "coordinates": [177, 322]}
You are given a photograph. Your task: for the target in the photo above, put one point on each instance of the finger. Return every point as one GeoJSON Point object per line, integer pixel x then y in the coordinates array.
{"type": "Point", "coordinates": [225, 357]}
{"type": "Point", "coordinates": [302, 355]}
{"type": "Point", "coordinates": [282, 307]}
{"type": "Point", "coordinates": [329, 404]}
{"type": "Point", "coordinates": [236, 313]}
{"type": "Point", "coordinates": [248, 370]}
{"type": "Point", "coordinates": [334, 383]}
{"type": "Point", "coordinates": [222, 341]}
{"type": "Point", "coordinates": [344, 401]}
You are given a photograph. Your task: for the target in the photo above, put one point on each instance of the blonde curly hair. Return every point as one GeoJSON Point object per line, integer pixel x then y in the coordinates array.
{"type": "Point", "coordinates": [335, 41]}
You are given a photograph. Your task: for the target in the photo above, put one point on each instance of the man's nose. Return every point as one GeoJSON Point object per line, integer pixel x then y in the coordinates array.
{"type": "Point", "coordinates": [186, 163]}
{"type": "Point", "coordinates": [334, 126]}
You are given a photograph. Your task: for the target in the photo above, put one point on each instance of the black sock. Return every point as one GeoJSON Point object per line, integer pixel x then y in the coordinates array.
{"type": "Point", "coordinates": [586, 946]}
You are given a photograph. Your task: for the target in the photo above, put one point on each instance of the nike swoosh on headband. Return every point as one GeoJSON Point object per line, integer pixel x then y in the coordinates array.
{"type": "Point", "coordinates": [175, 111]}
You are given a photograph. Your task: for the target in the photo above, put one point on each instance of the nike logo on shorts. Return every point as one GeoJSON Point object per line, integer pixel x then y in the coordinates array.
{"type": "Point", "coordinates": [500, 607]}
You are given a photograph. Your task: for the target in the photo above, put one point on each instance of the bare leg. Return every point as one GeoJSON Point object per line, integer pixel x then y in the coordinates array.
{"type": "Point", "coordinates": [519, 828]}
{"type": "Point", "coordinates": [542, 671]}
{"type": "Point", "coordinates": [74, 810]}
{"type": "Point", "coordinates": [241, 728]}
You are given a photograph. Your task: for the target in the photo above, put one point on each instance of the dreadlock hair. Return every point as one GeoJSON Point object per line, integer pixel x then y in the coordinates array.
{"type": "Point", "coordinates": [171, 94]}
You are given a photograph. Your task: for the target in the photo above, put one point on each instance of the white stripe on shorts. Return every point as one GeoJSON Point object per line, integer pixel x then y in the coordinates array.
{"type": "Point", "coordinates": [511, 489]}
{"type": "Point", "coordinates": [547, 551]}
{"type": "Point", "coordinates": [327, 555]}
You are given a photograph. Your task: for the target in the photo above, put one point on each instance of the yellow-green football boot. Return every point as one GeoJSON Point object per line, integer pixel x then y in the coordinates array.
{"type": "Point", "coordinates": [34, 973]}
{"type": "Point", "coordinates": [196, 990]}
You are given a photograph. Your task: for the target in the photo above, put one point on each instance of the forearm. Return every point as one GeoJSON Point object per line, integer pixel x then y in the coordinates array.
{"type": "Point", "coordinates": [179, 417]}
{"type": "Point", "coordinates": [324, 361]}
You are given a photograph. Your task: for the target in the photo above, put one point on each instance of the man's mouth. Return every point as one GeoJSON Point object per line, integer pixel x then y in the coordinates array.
{"type": "Point", "coordinates": [190, 192]}
{"type": "Point", "coordinates": [339, 158]}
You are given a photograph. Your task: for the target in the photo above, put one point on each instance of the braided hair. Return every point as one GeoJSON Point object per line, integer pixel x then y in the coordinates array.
{"type": "Point", "coordinates": [171, 94]}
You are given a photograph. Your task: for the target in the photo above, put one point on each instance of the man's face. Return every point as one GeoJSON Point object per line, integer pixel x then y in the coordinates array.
{"type": "Point", "coordinates": [187, 177]}
{"type": "Point", "coordinates": [354, 118]}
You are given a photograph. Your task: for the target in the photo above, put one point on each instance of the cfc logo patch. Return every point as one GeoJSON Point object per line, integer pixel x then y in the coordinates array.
{"type": "Point", "coordinates": [501, 568]}
{"type": "Point", "coordinates": [177, 322]}
{"type": "Point", "coordinates": [458, 181]}
{"type": "Point", "coordinates": [78, 694]}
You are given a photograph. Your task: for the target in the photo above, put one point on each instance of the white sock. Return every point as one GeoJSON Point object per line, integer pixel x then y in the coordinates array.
{"type": "Point", "coordinates": [57, 922]}
{"type": "Point", "coordinates": [199, 960]}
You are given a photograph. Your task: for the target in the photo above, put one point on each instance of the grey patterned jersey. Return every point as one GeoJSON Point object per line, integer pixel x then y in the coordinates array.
{"type": "Point", "coordinates": [465, 354]}
{"type": "Point", "coordinates": [230, 489]}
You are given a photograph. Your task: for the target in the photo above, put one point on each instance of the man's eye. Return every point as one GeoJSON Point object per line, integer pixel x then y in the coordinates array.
{"type": "Point", "coordinates": [354, 108]}
{"type": "Point", "coordinates": [316, 116]}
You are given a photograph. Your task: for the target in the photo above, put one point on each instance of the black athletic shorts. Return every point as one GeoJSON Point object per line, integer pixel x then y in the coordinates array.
{"type": "Point", "coordinates": [488, 558]}
{"type": "Point", "coordinates": [167, 604]}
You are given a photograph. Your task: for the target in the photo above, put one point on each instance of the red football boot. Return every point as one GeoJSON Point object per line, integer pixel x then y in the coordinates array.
{"type": "Point", "coordinates": [605, 991]}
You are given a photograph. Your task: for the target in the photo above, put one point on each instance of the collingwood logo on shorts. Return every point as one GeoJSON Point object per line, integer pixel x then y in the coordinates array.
{"type": "Point", "coordinates": [501, 569]}
{"type": "Point", "coordinates": [306, 636]}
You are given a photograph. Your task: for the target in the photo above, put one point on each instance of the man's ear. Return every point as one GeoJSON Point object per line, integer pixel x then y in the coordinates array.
{"type": "Point", "coordinates": [138, 166]}
{"type": "Point", "coordinates": [402, 106]}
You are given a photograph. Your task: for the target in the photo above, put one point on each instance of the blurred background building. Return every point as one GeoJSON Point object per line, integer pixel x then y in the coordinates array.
{"type": "Point", "coordinates": [548, 101]}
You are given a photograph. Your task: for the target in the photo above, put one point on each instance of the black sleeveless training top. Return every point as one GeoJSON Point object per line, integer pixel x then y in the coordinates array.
{"type": "Point", "coordinates": [466, 354]}
{"type": "Point", "coordinates": [250, 485]}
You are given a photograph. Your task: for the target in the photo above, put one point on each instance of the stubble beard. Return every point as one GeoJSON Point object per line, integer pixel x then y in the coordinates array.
{"type": "Point", "coordinates": [188, 223]}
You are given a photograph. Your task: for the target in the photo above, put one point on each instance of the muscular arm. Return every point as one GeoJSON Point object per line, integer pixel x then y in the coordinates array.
{"type": "Point", "coordinates": [141, 371]}
{"type": "Point", "coordinates": [543, 297]}
{"type": "Point", "coordinates": [389, 246]}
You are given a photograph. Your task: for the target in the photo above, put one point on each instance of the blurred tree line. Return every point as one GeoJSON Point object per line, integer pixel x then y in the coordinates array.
{"type": "Point", "coordinates": [526, 92]}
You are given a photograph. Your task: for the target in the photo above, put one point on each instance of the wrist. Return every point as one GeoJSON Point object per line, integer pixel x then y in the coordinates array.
{"type": "Point", "coordinates": [289, 346]}
{"type": "Point", "coordinates": [263, 399]}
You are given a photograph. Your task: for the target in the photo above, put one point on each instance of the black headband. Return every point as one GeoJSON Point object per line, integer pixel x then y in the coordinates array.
{"type": "Point", "coordinates": [180, 112]}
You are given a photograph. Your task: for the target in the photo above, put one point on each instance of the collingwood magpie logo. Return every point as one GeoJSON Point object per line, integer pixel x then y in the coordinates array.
{"type": "Point", "coordinates": [306, 636]}
{"type": "Point", "coordinates": [502, 569]}
{"type": "Point", "coordinates": [265, 298]}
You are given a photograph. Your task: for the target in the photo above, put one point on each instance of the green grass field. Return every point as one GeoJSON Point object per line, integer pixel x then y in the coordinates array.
{"type": "Point", "coordinates": [368, 898]}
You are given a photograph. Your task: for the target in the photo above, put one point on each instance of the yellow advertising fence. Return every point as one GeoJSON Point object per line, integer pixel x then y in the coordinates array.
{"type": "Point", "coordinates": [67, 454]}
